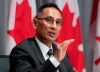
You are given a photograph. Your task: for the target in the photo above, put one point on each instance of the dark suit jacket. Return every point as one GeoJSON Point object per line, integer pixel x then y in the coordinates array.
{"type": "Point", "coordinates": [27, 57]}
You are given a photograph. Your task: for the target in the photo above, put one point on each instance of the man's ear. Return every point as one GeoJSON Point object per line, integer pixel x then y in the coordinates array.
{"type": "Point", "coordinates": [35, 23]}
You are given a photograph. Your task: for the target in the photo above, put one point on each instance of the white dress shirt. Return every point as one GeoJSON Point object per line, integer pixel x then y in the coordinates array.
{"type": "Point", "coordinates": [44, 49]}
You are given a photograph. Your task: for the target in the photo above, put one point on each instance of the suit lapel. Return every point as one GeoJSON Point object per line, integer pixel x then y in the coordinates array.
{"type": "Point", "coordinates": [62, 67]}
{"type": "Point", "coordinates": [37, 50]}
{"type": "Point", "coordinates": [39, 54]}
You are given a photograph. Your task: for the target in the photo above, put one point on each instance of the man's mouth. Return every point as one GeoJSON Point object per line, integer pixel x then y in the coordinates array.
{"type": "Point", "coordinates": [52, 34]}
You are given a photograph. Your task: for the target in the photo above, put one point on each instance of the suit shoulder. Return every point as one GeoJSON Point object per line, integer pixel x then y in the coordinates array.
{"type": "Point", "coordinates": [24, 42]}
{"type": "Point", "coordinates": [24, 45]}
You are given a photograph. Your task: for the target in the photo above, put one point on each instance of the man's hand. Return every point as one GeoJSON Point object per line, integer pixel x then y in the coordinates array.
{"type": "Point", "coordinates": [61, 49]}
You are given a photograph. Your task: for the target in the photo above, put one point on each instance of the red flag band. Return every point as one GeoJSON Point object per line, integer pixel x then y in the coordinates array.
{"type": "Point", "coordinates": [94, 34]}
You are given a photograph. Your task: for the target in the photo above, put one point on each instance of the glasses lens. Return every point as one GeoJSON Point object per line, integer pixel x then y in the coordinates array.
{"type": "Point", "coordinates": [59, 22]}
{"type": "Point", "coordinates": [49, 20]}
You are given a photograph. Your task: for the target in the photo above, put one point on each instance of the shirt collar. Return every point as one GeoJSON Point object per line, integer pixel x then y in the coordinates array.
{"type": "Point", "coordinates": [43, 47]}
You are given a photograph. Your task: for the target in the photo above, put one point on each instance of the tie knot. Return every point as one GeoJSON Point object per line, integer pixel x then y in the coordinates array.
{"type": "Point", "coordinates": [50, 52]}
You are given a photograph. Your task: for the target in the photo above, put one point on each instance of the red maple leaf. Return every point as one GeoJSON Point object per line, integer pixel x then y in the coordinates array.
{"type": "Point", "coordinates": [69, 32]}
{"type": "Point", "coordinates": [23, 25]}
{"type": "Point", "coordinates": [67, 29]}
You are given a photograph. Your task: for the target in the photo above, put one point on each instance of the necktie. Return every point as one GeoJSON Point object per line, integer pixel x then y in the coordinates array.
{"type": "Point", "coordinates": [50, 52]}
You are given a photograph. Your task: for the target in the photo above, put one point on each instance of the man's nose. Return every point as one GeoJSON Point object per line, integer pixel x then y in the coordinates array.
{"type": "Point", "coordinates": [54, 24]}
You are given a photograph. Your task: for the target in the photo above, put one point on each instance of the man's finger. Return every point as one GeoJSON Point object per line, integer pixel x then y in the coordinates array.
{"type": "Point", "coordinates": [66, 43]}
{"type": "Point", "coordinates": [69, 41]}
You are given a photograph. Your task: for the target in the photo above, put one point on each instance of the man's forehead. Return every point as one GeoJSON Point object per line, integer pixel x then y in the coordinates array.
{"type": "Point", "coordinates": [51, 11]}
{"type": "Point", "coordinates": [49, 8]}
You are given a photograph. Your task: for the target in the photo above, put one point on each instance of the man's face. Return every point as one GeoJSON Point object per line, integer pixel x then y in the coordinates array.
{"type": "Point", "coordinates": [46, 30]}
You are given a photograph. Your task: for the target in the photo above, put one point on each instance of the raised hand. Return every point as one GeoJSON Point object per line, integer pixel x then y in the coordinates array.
{"type": "Point", "coordinates": [61, 49]}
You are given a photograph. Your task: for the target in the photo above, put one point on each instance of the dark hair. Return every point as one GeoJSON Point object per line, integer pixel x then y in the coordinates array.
{"type": "Point", "coordinates": [46, 5]}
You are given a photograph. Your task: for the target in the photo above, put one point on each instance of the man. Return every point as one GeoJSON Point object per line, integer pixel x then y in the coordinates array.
{"type": "Point", "coordinates": [32, 55]}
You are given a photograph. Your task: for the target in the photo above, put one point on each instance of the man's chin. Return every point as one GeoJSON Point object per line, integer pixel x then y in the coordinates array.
{"type": "Point", "coordinates": [52, 39]}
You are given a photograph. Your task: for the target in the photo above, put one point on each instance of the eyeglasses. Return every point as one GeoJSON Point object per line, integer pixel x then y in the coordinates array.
{"type": "Point", "coordinates": [50, 21]}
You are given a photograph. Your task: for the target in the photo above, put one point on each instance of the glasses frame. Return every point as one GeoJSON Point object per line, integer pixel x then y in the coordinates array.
{"type": "Point", "coordinates": [57, 24]}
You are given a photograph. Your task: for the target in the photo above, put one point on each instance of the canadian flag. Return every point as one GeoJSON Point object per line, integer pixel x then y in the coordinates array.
{"type": "Point", "coordinates": [95, 35]}
{"type": "Point", "coordinates": [71, 29]}
{"type": "Point", "coordinates": [20, 25]}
